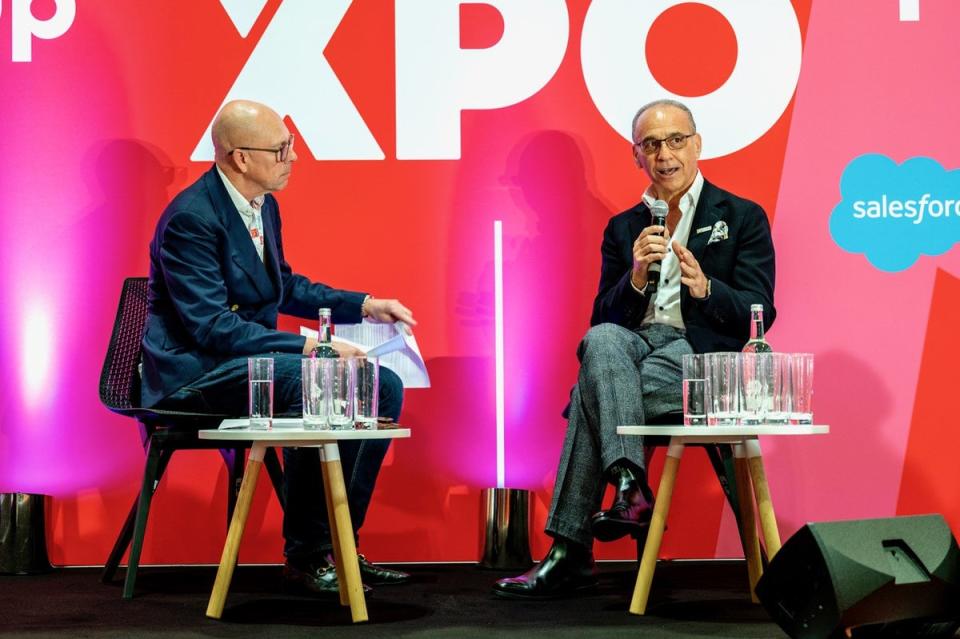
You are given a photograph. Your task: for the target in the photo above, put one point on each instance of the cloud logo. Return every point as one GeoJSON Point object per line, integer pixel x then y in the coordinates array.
{"type": "Point", "coordinates": [894, 214]}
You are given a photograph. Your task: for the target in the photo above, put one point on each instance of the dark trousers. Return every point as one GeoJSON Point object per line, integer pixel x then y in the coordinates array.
{"type": "Point", "coordinates": [306, 527]}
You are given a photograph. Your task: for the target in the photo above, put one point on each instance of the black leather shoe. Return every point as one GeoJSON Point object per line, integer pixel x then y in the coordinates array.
{"type": "Point", "coordinates": [316, 579]}
{"type": "Point", "coordinates": [567, 569]}
{"type": "Point", "coordinates": [377, 575]}
{"type": "Point", "coordinates": [630, 512]}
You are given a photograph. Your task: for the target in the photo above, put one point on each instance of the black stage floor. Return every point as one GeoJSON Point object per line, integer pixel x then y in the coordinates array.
{"type": "Point", "coordinates": [689, 599]}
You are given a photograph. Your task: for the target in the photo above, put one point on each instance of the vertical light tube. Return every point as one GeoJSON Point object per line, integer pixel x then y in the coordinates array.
{"type": "Point", "coordinates": [498, 326]}
{"type": "Point", "coordinates": [909, 10]}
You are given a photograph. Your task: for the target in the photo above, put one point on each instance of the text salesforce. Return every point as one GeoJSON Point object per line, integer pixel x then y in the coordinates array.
{"type": "Point", "coordinates": [916, 209]}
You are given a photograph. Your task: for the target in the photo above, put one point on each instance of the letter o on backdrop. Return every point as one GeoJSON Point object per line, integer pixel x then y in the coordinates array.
{"type": "Point", "coordinates": [735, 115]}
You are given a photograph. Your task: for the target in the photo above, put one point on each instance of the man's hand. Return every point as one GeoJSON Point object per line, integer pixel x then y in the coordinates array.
{"type": "Point", "coordinates": [345, 350]}
{"type": "Point", "coordinates": [389, 311]}
{"type": "Point", "coordinates": [649, 247]}
{"type": "Point", "coordinates": [690, 273]}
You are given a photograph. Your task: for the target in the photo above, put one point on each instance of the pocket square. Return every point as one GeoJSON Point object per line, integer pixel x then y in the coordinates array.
{"type": "Point", "coordinates": [719, 233]}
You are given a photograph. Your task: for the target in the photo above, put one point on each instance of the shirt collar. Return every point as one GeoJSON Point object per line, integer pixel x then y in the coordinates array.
{"type": "Point", "coordinates": [689, 200]}
{"type": "Point", "coordinates": [246, 208]}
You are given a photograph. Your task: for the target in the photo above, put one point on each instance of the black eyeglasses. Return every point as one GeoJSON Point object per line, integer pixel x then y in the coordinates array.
{"type": "Point", "coordinates": [283, 153]}
{"type": "Point", "coordinates": [674, 142]}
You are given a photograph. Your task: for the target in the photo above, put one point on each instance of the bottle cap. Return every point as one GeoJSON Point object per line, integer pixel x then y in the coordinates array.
{"type": "Point", "coordinates": [325, 312]}
{"type": "Point", "coordinates": [756, 307]}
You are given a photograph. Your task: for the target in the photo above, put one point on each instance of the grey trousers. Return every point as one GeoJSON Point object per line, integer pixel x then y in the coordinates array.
{"type": "Point", "coordinates": [626, 377]}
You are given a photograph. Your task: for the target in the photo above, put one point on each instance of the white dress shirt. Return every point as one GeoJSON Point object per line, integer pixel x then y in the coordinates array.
{"type": "Point", "coordinates": [249, 213]}
{"type": "Point", "coordinates": [664, 307]}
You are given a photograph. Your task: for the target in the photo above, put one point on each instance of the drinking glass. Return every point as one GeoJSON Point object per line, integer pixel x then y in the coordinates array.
{"type": "Point", "coordinates": [260, 392]}
{"type": "Point", "coordinates": [801, 384]}
{"type": "Point", "coordinates": [316, 375]}
{"type": "Point", "coordinates": [367, 392]}
{"type": "Point", "coordinates": [342, 393]}
{"type": "Point", "coordinates": [694, 390]}
{"type": "Point", "coordinates": [756, 374]}
{"type": "Point", "coordinates": [722, 388]}
{"type": "Point", "coordinates": [778, 409]}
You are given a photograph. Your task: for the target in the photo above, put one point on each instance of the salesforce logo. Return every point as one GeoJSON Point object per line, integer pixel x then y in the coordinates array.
{"type": "Point", "coordinates": [894, 214]}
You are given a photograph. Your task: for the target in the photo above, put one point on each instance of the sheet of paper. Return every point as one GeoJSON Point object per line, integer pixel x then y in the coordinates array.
{"type": "Point", "coordinates": [397, 350]}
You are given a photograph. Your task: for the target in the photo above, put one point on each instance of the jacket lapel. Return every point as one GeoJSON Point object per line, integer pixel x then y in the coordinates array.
{"type": "Point", "coordinates": [270, 255]}
{"type": "Point", "coordinates": [240, 246]}
{"type": "Point", "coordinates": [636, 223]}
{"type": "Point", "coordinates": [707, 214]}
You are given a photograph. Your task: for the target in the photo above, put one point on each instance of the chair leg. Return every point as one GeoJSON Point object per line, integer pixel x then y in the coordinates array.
{"type": "Point", "coordinates": [120, 545]}
{"type": "Point", "coordinates": [157, 459]}
{"type": "Point", "coordinates": [272, 463]}
{"type": "Point", "coordinates": [233, 458]}
{"type": "Point", "coordinates": [721, 458]}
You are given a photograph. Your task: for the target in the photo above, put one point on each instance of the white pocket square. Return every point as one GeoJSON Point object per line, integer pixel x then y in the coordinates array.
{"type": "Point", "coordinates": [719, 233]}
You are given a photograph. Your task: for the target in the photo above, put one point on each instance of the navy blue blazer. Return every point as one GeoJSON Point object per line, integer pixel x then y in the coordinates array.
{"type": "Point", "coordinates": [741, 269]}
{"type": "Point", "coordinates": [210, 296]}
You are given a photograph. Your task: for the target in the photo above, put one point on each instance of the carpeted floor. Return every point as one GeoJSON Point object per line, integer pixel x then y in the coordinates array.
{"type": "Point", "coordinates": [689, 599]}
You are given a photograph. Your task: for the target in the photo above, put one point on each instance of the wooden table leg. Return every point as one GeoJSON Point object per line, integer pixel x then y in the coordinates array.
{"type": "Point", "coordinates": [768, 521]}
{"type": "Point", "coordinates": [344, 535]}
{"type": "Point", "coordinates": [651, 549]}
{"type": "Point", "coordinates": [334, 535]}
{"type": "Point", "coordinates": [228, 560]}
{"type": "Point", "coordinates": [747, 519]}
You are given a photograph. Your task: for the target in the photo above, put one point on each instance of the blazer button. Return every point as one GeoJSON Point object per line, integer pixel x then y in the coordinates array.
{"type": "Point", "coordinates": [234, 308]}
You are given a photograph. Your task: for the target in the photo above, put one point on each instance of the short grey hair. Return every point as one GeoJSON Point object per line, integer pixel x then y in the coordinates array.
{"type": "Point", "coordinates": [664, 102]}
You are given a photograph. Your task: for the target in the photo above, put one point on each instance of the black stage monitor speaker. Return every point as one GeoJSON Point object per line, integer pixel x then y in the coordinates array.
{"type": "Point", "coordinates": [895, 577]}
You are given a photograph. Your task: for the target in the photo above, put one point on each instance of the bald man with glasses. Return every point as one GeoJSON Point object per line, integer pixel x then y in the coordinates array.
{"type": "Point", "coordinates": [218, 280]}
{"type": "Point", "coordinates": [715, 258]}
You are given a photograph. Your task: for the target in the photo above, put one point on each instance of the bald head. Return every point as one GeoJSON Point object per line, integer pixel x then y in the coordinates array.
{"type": "Point", "coordinates": [253, 147]}
{"type": "Point", "coordinates": [245, 123]}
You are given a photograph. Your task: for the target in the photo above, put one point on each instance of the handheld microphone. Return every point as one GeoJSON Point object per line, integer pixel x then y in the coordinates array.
{"type": "Point", "coordinates": [658, 214]}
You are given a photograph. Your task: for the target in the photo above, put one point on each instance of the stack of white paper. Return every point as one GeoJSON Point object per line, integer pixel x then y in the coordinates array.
{"type": "Point", "coordinates": [396, 348]}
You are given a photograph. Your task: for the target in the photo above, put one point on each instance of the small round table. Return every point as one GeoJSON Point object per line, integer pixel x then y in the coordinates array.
{"type": "Point", "coordinates": [290, 432]}
{"type": "Point", "coordinates": [749, 474]}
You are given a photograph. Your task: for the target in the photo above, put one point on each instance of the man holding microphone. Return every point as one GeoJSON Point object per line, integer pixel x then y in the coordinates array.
{"type": "Point", "coordinates": [679, 284]}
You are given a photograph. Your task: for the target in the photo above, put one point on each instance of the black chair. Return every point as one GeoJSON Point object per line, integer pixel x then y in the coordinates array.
{"type": "Point", "coordinates": [162, 431]}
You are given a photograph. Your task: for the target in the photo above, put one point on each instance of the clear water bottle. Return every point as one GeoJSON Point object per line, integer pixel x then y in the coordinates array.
{"type": "Point", "coordinates": [324, 347]}
{"type": "Point", "coordinates": [757, 343]}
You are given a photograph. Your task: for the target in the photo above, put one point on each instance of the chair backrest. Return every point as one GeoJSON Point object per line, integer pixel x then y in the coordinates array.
{"type": "Point", "coordinates": [120, 377]}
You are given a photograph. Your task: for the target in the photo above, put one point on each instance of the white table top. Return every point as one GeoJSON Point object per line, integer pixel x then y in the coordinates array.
{"type": "Point", "coordinates": [290, 429]}
{"type": "Point", "coordinates": [726, 431]}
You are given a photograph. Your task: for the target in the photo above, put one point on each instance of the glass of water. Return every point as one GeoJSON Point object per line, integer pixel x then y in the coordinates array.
{"type": "Point", "coordinates": [260, 372]}
{"type": "Point", "coordinates": [778, 408]}
{"type": "Point", "coordinates": [694, 390]}
{"type": "Point", "coordinates": [801, 387]}
{"type": "Point", "coordinates": [722, 388]}
{"type": "Point", "coordinates": [367, 391]}
{"type": "Point", "coordinates": [342, 393]}
{"type": "Point", "coordinates": [315, 373]}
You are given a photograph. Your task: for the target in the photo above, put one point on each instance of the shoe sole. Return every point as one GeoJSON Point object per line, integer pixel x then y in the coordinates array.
{"type": "Point", "coordinates": [504, 594]}
{"type": "Point", "coordinates": [613, 529]}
